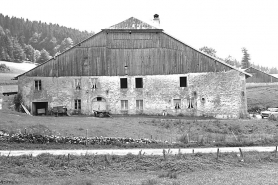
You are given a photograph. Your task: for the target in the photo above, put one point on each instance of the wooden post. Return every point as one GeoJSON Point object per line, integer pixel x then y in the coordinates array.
{"type": "Point", "coordinates": [275, 151]}
{"type": "Point", "coordinates": [68, 158]}
{"type": "Point", "coordinates": [241, 154]}
{"type": "Point", "coordinates": [86, 137]}
{"type": "Point", "coordinates": [25, 131]}
{"type": "Point", "coordinates": [192, 151]}
{"type": "Point", "coordinates": [217, 154]}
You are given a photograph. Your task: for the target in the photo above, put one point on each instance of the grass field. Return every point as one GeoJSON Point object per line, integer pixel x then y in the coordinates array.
{"type": "Point", "coordinates": [168, 129]}
{"type": "Point", "coordinates": [262, 96]}
{"type": "Point", "coordinates": [257, 168]}
{"type": "Point", "coordinates": [16, 69]}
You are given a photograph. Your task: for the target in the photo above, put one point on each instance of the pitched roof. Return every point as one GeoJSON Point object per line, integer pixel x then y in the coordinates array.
{"type": "Point", "coordinates": [261, 72]}
{"type": "Point", "coordinates": [131, 24]}
{"type": "Point", "coordinates": [136, 24]}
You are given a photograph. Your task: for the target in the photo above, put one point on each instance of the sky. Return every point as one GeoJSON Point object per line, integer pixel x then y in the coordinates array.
{"type": "Point", "coordinates": [225, 25]}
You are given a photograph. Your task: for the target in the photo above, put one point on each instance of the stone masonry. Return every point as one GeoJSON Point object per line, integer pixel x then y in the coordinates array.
{"type": "Point", "coordinates": [217, 94]}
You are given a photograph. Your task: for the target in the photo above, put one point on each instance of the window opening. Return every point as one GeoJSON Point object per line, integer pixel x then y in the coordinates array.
{"type": "Point", "coordinates": [177, 103]}
{"type": "Point", "coordinates": [124, 104]}
{"type": "Point", "coordinates": [38, 85]}
{"type": "Point", "coordinates": [77, 104]}
{"type": "Point", "coordinates": [183, 81]}
{"type": "Point", "coordinates": [77, 84]}
{"type": "Point", "coordinates": [190, 103]}
{"type": "Point", "coordinates": [138, 82]}
{"type": "Point", "coordinates": [99, 98]}
{"type": "Point", "coordinates": [139, 104]}
{"type": "Point", "coordinates": [123, 83]}
{"type": "Point", "coordinates": [94, 83]}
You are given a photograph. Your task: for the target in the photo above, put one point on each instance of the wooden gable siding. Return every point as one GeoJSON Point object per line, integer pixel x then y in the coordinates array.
{"type": "Point", "coordinates": [259, 77]}
{"type": "Point", "coordinates": [48, 69]}
{"type": "Point", "coordinates": [144, 53]}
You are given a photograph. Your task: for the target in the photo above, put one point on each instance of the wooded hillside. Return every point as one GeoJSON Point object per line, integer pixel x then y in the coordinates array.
{"type": "Point", "coordinates": [35, 41]}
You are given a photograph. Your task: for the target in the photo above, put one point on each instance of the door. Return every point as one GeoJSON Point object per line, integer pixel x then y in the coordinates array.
{"type": "Point", "coordinates": [99, 104]}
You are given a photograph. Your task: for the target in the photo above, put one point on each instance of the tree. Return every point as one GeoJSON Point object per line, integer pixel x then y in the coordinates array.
{"type": "Point", "coordinates": [66, 44]}
{"type": "Point", "coordinates": [18, 52]}
{"type": "Point", "coordinates": [209, 51]}
{"type": "Point", "coordinates": [232, 61]}
{"type": "Point", "coordinates": [30, 53]}
{"type": "Point", "coordinates": [245, 62]}
{"type": "Point", "coordinates": [37, 55]}
{"type": "Point", "coordinates": [43, 57]}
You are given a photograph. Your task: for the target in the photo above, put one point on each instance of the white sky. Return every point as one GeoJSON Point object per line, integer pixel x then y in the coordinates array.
{"type": "Point", "coordinates": [225, 25]}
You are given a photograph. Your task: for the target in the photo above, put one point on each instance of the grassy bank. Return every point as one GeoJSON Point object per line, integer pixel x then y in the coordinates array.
{"type": "Point", "coordinates": [133, 169]}
{"type": "Point", "coordinates": [178, 132]}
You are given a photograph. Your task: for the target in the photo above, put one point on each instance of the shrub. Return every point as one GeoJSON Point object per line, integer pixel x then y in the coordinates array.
{"type": "Point", "coordinates": [171, 175]}
{"type": "Point", "coordinates": [17, 101]}
{"type": "Point", "coordinates": [183, 139]}
{"type": "Point", "coordinates": [149, 182]}
{"type": "Point", "coordinates": [4, 68]}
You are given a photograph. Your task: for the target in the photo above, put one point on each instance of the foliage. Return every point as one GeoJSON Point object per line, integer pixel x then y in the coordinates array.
{"type": "Point", "coordinates": [245, 62]}
{"type": "Point", "coordinates": [44, 56]}
{"type": "Point", "coordinates": [208, 50]}
{"type": "Point", "coordinates": [19, 38]}
{"type": "Point", "coordinates": [17, 101]}
{"type": "Point", "coordinates": [4, 68]}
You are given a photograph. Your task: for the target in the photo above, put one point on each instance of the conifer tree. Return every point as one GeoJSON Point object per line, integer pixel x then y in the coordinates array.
{"type": "Point", "coordinates": [245, 62]}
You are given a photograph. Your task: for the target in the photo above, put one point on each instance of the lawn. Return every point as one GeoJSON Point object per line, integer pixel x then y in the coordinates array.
{"type": "Point", "coordinates": [257, 168]}
{"type": "Point", "coordinates": [204, 132]}
{"type": "Point", "coordinates": [262, 96]}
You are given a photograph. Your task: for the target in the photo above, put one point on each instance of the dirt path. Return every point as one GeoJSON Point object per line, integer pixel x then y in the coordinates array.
{"type": "Point", "coordinates": [134, 151]}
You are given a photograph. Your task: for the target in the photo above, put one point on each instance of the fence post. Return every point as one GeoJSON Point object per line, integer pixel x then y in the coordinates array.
{"type": "Point", "coordinates": [241, 154]}
{"type": "Point", "coordinates": [217, 154]}
{"type": "Point", "coordinates": [275, 151]}
{"type": "Point", "coordinates": [68, 158]}
{"type": "Point", "coordinates": [192, 151]}
{"type": "Point", "coordinates": [25, 131]}
{"type": "Point", "coordinates": [86, 137]}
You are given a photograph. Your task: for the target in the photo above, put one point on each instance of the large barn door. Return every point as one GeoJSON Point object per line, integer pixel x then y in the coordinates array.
{"type": "Point", "coordinates": [99, 104]}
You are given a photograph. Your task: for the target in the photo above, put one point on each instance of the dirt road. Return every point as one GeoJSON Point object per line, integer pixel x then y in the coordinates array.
{"type": "Point", "coordinates": [135, 151]}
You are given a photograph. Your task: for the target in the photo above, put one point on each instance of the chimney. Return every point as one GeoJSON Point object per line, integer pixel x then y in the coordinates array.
{"type": "Point", "coordinates": [156, 21]}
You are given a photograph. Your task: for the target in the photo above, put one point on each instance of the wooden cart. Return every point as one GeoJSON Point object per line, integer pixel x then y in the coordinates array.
{"type": "Point", "coordinates": [101, 114]}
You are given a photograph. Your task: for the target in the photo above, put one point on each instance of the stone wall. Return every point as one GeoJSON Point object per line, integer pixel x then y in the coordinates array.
{"type": "Point", "coordinates": [220, 94]}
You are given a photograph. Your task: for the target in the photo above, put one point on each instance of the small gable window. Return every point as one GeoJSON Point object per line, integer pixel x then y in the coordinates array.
{"type": "Point", "coordinates": [38, 85]}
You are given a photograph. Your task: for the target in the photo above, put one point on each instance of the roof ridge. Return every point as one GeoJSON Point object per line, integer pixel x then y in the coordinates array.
{"type": "Point", "coordinates": [131, 23]}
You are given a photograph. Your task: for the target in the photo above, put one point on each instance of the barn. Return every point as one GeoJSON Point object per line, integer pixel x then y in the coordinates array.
{"type": "Point", "coordinates": [136, 68]}
{"type": "Point", "coordinates": [259, 76]}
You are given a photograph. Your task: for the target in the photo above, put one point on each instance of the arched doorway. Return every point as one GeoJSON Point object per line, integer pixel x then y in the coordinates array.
{"type": "Point", "coordinates": [99, 104]}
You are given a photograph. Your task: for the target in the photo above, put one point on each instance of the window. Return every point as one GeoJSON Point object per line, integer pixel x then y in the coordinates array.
{"type": "Point", "coordinates": [77, 83]}
{"type": "Point", "coordinates": [124, 104]}
{"type": "Point", "coordinates": [93, 83]}
{"type": "Point", "coordinates": [190, 103]}
{"type": "Point", "coordinates": [123, 83]}
{"type": "Point", "coordinates": [99, 98]}
{"type": "Point", "coordinates": [77, 104]}
{"type": "Point", "coordinates": [38, 85]}
{"type": "Point", "coordinates": [177, 103]}
{"type": "Point", "coordinates": [138, 82]}
{"type": "Point", "coordinates": [139, 104]}
{"type": "Point", "coordinates": [183, 81]}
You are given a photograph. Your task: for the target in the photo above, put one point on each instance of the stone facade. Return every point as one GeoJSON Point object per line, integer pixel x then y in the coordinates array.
{"type": "Point", "coordinates": [217, 94]}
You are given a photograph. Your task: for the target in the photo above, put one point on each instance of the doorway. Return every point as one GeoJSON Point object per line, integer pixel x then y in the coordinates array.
{"type": "Point", "coordinates": [39, 108]}
{"type": "Point", "coordinates": [99, 104]}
